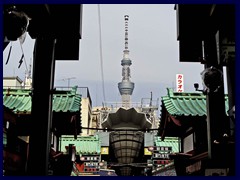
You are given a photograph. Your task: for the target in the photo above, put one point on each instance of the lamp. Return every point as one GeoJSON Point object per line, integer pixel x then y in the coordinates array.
{"type": "Point", "coordinates": [196, 86]}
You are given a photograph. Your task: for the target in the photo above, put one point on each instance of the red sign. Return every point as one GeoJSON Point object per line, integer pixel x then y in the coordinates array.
{"type": "Point", "coordinates": [179, 82]}
{"type": "Point", "coordinates": [161, 162]}
{"type": "Point", "coordinates": [91, 169]}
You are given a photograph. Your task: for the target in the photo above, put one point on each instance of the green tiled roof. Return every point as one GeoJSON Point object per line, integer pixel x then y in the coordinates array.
{"type": "Point", "coordinates": [186, 104]}
{"type": "Point", "coordinates": [168, 141]}
{"type": "Point", "coordinates": [19, 100]}
{"type": "Point", "coordinates": [85, 145]}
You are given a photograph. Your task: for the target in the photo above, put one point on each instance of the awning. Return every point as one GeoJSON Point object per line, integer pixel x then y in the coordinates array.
{"type": "Point", "coordinates": [169, 142]}
{"type": "Point", "coordinates": [85, 145]}
{"type": "Point", "coordinates": [20, 101]}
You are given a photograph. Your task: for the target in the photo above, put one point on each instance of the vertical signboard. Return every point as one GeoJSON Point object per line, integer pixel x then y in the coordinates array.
{"type": "Point", "coordinates": [179, 83]}
{"type": "Point", "coordinates": [160, 154]}
{"type": "Point", "coordinates": [91, 163]}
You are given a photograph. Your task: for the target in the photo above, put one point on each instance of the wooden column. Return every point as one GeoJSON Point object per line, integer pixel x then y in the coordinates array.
{"type": "Point", "coordinates": [43, 82]}
{"type": "Point", "coordinates": [217, 122]}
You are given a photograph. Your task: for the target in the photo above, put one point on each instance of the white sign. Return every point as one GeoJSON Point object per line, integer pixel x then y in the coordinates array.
{"type": "Point", "coordinates": [179, 82]}
{"type": "Point", "coordinates": [161, 155]}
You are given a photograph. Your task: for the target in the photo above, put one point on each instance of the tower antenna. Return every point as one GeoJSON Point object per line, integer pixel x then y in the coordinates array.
{"type": "Point", "coordinates": [126, 17]}
{"type": "Point", "coordinates": [126, 86]}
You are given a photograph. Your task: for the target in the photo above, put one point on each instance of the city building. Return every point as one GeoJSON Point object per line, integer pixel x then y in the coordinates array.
{"type": "Point", "coordinates": [47, 21]}
{"type": "Point", "coordinates": [12, 82]}
{"type": "Point", "coordinates": [14, 148]}
{"type": "Point", "coordinates": [18, 118]}
{"type": "Point", "coordinates": [184, 115]}
{"type": "Point", "coordinates": [206, 34]}
{"type": "Point", "coordinates": [162, 164]}
{"type": "Point", "coordinates": [86, 112]}
{"type": "Point", "coordinates": [120, 137]}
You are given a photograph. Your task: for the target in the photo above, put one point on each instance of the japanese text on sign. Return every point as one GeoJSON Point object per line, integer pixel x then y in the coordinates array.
{"type": "Point", "coordinates": [160, 148]}
{"type": "Point", "coordinates": [179, 82]}
{"type": "Point", "coordinates": [161, 161]}
{"type": "Point", "coordinates": [89, 158]}
{"type": "Point", "coordinates": [161, 155]}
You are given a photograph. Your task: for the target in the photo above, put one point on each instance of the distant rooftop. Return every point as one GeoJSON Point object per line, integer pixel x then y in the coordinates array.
{"type": "Point", "coordinates": [12, 78]}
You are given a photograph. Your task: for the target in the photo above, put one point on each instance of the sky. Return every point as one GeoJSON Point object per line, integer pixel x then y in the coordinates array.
{"type": "Point", "coordinates": [153, 46]}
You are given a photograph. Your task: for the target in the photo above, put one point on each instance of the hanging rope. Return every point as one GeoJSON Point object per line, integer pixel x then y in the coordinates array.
{"type": "Point", "coordinates": [23, 57]}
{"type": "Point", "coordinates": [101, 58]}
{"type": "Point", "coordinates": [9, 53]}
{"type": "Point", "coordinates": [21, 61]}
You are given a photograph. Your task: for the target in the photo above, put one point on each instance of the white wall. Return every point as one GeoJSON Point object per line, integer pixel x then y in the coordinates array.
{"type": "Point", "coordinates": [13, 82]}
{"type": "Point", "coordinates": [85, 115]}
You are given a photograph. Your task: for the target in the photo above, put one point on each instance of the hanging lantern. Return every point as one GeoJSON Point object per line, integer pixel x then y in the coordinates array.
{"type": "Point", "coordinates": [212, 79]}
{"type": "Point", "coordinates": [15, 23]}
